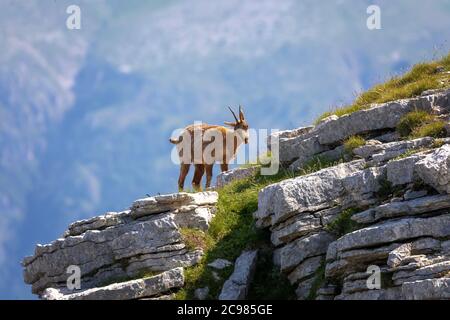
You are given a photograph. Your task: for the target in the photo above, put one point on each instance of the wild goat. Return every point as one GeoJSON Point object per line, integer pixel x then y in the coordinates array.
{"type": "Point", "coordinates": [202, 145]}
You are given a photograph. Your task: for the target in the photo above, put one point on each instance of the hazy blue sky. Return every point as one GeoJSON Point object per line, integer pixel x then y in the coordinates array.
{"type": "Point", "coordinates": [85, 115]}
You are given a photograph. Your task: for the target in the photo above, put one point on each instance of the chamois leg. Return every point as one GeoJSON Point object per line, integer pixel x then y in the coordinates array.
{"type": "Point", "coordinates": [209, 173]}
{"type": "Point", "coordinates": [184, 170]}
{"type": "Point", "coordinates": [224, 167]}
{"type": "Point", "coordinates": [197, 179]}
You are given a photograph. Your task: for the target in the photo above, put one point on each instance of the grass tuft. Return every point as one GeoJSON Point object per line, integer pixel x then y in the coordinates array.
{"type": "Point", "coordinates": [319, 280]}
{"type": "Point", "coordinates": [421, 77]}
{"type": "Point", "coordinates": [352, 143]}
{"type": "Point", "coordinates": [194, 238]}
{"type": "Point", "coordinates": [343, 224]}
{"type": "Point", "coordinates": [435, 129]}
{"type": "Point", "coordinates": [412, 120]}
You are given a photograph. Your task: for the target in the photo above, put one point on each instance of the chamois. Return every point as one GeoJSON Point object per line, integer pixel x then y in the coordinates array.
{"type": "Point", "coordinates": [205, 144]}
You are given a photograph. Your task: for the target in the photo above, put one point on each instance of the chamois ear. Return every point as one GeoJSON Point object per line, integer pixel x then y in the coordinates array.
{"type": "Point", "coordinates": [231, 124]}
{"type": "Point", "coordinates": [241, 114]}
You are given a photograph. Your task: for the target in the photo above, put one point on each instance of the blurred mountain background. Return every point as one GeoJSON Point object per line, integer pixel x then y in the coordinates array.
{"type": "Point", "coordinates": [85, 115]}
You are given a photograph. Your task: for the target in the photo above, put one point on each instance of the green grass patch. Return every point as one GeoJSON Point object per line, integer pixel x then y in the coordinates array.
{"type": "Point", "coordinates": [412, 120]}
{"type": "Point", "coordinates": [435, 129]}
{"type": "Point", "coordinates": [352, 143]}
{"type": "Point", "coordinates": [343, 224]}
{"type": "Point", "coordinates": [319, 280]}
{"type": "Point", "coordinates": [194, 238]}
{"type": "Point", "coordinates": [420, 77]}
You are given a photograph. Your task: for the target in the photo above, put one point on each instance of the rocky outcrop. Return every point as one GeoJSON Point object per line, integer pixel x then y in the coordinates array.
{"type": "Point", "coordinates": [333, 130]}
{"type": "Point", "coordinates": [124, 245]}
{"type": "Point", "coordinates": [375, 225]}
{"type": "Point", "coordinates": [237, 286]}
{"type": "Point", "coordinates": [227, 177]}
{"type": "Point", "coordinates": [128, 290]}
{"type": "Point", "coordinates": [396, 196]}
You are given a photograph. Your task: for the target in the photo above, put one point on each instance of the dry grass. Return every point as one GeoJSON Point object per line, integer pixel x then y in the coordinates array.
{"type": "Point", "coordinates": [421, 77]}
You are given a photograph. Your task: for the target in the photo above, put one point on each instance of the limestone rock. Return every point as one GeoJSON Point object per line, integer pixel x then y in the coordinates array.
{"type": "Point", "coordinates": [402, 208]}
{"type": "Point", "coordinates": [411, 194]}
{"type": "Point", "coordinates": [305, 269]}
{"type": "Point", "coordinates": [399, 254]}
{"type": "Point", "coordinates": [393, 149]}
{"type": "Point", "coordinates": [220, 264]}
{"type": "Point", "coordinates": [378, 117]}
{"type": "Point", "coordinates": [236, 287]}
{"type": "Point", "coordinates": [312, 192]}
{"type": "Point", "coordinates": [392, 231]}
{"type": "Point", "coordinates": [134, 289]}
{"type": "Point", "coordinates": [226, 177]}
{"type": "Point", "coordinates": [122, 245]}
{"type": "Point", "coordinates": [299, 148]}
{"type": "Point", "coordinates": [170, 202]}
{"type": "Point", "coordinates": [402, 171]}
{"type": "Point", "coordinates": [287, 134]}
{"type": "Point", "coordinates": [297, 251]}
{"type": "Point", "coordinates": [97, 223]}
{"type": "Point", "coordinates": [304, 288]}
{"type": "Point", "coordinates": [434, 169]}
{"type": "Point", "coordinates": [429, 289]}
{"type": "Point", "coordinates": [295, 227]}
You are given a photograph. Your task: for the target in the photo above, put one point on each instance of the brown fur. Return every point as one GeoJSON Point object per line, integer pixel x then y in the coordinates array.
{"type": "Point", "coordinates": [201, 167]}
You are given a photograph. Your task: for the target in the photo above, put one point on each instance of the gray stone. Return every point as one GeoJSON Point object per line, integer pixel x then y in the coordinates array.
{"type": "Point", "coordinates": [399, 254]}
{"type": "Point", "coordinates": [392, 149]}
{"type": "Point", "coordinates": [297, 251]}
{"type": "Point", "coordinates": [375, 294]}
{"type": "Point", "coordinates": [227, 177]}
{"type": "Point", "coordinates": [294, 227]}
{"type": "Point", "coordinates": [201, 293]}
{"type": "Point", "coordinates": [220, 264]}
{"type": "Point", "coordinates": [361, 185]}
{"type": "Point", "coordinates": [435, 270]}
{"type": "Point", "coordinates": [392, 231]}
{"type": "Point", "coordinates": [236, 287]}
{"type": "Point", "coordinates": [122, 245]}
{"type": "Point", "coordinates": [411, 194]}
{"type": "Point", "coordinates": [305, 269]}
{"type": "Point", "coordinates": [383, 116]}
{"type": "Point", "coordinates": [170, 202]}
{"type": "Point", "coordinates": [312, 192]}
{"type": "Point", "coordinates": [134, 289]}
{"type": "Point", "coordinates": [429, 289]}
{"type": "Point", "coordinates": [434, 169]}
{"type": "Point", "coordinates": [96, 223]}
{"type": "Point", "coordinates": [299, 148]}
{"type": "Point", "coordinates": [194, 217]}
{"type": "Point", "coordinates": [287, 134]}
{"type": "Point", "coordinates": [333, 154]}
{"type": "Point", "coordinates": [304, 289]}
{"type": "Point", "coordinates": [400, 172]}
{"type": "Point", "coordinates": [403, 208]}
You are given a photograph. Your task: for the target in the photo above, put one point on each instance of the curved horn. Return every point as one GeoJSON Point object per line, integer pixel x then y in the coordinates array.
{"type": "Point", "coordinates": [241, 113]}
{"type": "Point", "coordinates": [234, 115]}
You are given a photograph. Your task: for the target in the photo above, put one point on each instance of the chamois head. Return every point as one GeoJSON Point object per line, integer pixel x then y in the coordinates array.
{"type": "Point", "coordinates": [240, 125]}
